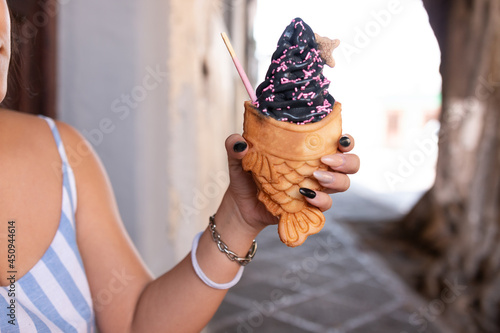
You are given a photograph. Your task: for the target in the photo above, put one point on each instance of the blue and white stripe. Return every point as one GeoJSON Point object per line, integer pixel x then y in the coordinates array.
{"type": "Point", "coordinates": [54, 296]}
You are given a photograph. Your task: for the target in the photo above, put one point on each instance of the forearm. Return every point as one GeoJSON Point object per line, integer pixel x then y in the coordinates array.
{"type": "Point", "coordinates": [179, 301]}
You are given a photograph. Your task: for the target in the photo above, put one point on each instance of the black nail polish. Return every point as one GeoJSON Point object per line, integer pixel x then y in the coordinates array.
{"type": "Point", "coordinates": [345, 141]}
{"type": "Point", "coordinates": [240, 146]}
{"type": "Point", "coordinates": [307, 193]}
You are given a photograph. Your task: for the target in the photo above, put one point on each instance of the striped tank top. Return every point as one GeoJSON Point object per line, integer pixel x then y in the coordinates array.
{"type": "Point", "coordinates": [54, 295]}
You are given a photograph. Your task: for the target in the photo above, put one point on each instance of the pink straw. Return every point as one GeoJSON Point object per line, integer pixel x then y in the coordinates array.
{"type": "Point", "coordinates": [240, 69]}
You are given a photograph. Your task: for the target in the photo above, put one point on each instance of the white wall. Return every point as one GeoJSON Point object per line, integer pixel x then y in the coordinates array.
{"type": "Point", "coordinates": [97, 64]}
{"type": "Point", "coordinates": [165, 155]}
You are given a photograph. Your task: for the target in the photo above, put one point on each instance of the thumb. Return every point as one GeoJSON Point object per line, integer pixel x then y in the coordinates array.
{"type": "Point", "coordinates": [236, 148]}
{"type": "Point", "coordinates": [241, 181]}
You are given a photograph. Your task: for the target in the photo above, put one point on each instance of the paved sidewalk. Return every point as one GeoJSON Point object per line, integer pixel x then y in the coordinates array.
{"type": "Point", "coordinates": [327, 285]}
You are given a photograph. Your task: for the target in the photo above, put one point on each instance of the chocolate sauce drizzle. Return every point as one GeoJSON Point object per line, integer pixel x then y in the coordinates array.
{"type": "Point", "coordinates": [295, 90]}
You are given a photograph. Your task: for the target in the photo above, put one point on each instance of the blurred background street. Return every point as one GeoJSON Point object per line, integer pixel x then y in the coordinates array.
{"type": "Point", "coordinates": [333, 283]}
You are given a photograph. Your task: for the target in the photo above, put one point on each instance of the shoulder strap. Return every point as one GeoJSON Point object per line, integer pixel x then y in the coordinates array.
{"type": "Point", "coordinates": [69, 178]}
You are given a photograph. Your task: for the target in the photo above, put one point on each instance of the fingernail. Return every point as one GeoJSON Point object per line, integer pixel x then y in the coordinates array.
{"type": "Point", "coordinates": [333, 161]}
{"type": "Point", "coordinates": [240, 146]}
{"type": "Point", "coordinates": [345, 141]}
{"type": "Point", "coordinates": [307, 193]}
{"type": "Point", "coordinates": [323, 176]}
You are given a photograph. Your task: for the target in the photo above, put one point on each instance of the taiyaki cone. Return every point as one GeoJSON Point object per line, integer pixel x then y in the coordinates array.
{"type": "Point", "coordinates": [282, 157]}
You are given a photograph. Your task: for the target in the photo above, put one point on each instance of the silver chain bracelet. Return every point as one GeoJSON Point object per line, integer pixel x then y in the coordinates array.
{"type": "Point", "coordinates": [224, 249]}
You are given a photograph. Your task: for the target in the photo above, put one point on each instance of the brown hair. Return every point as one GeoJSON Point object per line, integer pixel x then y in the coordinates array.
{"type": "Point", "coordinates": [14, 78]}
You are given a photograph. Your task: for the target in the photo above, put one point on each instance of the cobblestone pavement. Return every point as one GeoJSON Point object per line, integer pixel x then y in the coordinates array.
{"type": "Point", "coordinates": [327, 285]}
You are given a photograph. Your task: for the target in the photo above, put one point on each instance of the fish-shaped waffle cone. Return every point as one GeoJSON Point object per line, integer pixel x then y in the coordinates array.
{"type": "Point", "coordinates": [282, 157]}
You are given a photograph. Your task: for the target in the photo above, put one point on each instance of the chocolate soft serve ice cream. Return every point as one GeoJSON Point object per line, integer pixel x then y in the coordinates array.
{"type": "Point", "coordinates": [293, 123]}
{"type": "Point", "coordinates": [295, 89]}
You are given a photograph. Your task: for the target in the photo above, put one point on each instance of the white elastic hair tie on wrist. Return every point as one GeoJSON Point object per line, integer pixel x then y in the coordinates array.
{"type": "Point", "coordinates": [202, 275]}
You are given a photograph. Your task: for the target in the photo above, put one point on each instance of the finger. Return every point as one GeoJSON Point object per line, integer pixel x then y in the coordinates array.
{"type": "Point", "coordinates": [333, 182]}
{"type": "Point", "coordinates": [317, 198]}
{"type": "Point", "coordinates": [345, 163]}
{"type": "Point", "coordinates": [346, 143]}
{"type": "Point", "coordinates": [236, 148]}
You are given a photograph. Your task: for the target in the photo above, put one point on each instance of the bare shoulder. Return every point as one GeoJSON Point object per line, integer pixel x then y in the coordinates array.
{"type": "Point", "coordinates": [23, 128]}
{"type": "Point", "coordinates": [80, 153]}
{"type": "Point", "coordinates": [68, 133]}
{"type": "Point", "coordinates": [76, 146]}
{"type": "Point", "coordinates": [21, 123]}
{"type": "Point", "coordinates": [29, 133]}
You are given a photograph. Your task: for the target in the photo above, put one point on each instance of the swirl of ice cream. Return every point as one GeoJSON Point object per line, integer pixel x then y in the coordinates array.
{"type": "Point", "coordinates": [295, 90]}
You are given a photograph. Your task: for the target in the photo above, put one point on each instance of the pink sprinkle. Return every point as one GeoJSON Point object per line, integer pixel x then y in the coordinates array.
{"type": "Point", "coordinates": [316, 53]}
{"type": "Point", "coordinates": [306, 121]}
{"type": "Point", "coordinates": [307, 95]}
{"type": "Point", "coordinates": [285, 80]}
{"type": "Point", "coordinates": [308, 73]}
{"type": "Point", "coordinates": [326, 107]}
{"type": "Point", "coordinates": [282, 67]}
{"type": "Point", "coordinates": [268, 87]}
{"type": "Point", "coordinates": [299, 22]}
{"type": "Point", "coordinates": [324, 83]}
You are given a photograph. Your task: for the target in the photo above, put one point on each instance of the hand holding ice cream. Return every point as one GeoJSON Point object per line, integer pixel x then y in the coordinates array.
{"type": "Point", "coordinates": [293, 124]}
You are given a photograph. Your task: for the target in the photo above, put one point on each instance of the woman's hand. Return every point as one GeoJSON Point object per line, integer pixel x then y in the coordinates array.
{"type": "Point", "coordinates": [242, 189]}
{"type": "Point", "coordinates": [335, 180]}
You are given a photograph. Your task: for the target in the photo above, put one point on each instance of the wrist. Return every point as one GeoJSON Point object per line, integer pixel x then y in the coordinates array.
{"type": "Point", "coordinates": [230, 218]}
{"type": "Point", "coordinates": [201, 274]}
{"type": "Point", "coordinates": [222, 246]}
